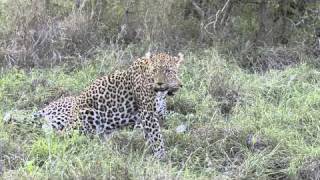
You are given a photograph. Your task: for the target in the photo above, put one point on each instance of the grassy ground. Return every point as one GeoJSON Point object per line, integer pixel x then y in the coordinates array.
{"type": "Point", "coordinates": [239, 125]}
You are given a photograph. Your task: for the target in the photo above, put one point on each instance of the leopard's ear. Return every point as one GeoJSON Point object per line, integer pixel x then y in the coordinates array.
{"type": "Point", "coordinates": [147, 55]}
{"type": "Point", "coordinates": [146, 64]}
{"type": "Point", "coordinates": [180, 58]}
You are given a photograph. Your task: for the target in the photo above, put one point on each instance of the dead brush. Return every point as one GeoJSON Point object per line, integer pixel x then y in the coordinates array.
{"type": "Point", "coordinates": [12, 156]}
{"type": "Point", "coordinates": [310, 169]}
{"type": "Point", "coordinates": [225, 92]}
{"type": "Point", "coordinates": [264, 59]}
{"type": "Point", "coordinates": [38, 39]}
{"type": "Point", "coordinates": [216, 148]}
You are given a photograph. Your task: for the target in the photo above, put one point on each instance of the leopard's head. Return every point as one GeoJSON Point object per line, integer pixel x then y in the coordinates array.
{"type": "Point", "coordinates": [164, 71]}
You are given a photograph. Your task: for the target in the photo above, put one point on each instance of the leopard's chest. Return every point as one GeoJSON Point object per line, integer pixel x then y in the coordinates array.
{"type": "Point", "coordinates": [161, 103]}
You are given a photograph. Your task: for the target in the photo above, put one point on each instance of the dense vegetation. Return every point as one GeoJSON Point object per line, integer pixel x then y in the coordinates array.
{"type": "Point", "coordinates": [250, 102]}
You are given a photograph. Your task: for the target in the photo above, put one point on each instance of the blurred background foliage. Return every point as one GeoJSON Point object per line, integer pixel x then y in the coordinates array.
{"type": "Point", "coordinates": [249, 105]}
{"type": "Point", "coordinates": [45, 33]}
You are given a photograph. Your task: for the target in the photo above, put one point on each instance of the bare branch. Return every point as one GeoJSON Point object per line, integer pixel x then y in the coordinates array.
{"type": "Point", "coordinates": [198, 9]}
{"type": "Point", "coordinates": [216, 20]}
{"type": "Point", "coordinates": [77, 3]}
{"type": "Point", "coordinates": [220, 17]}
{"type": "Point", "coordinates": [226, 12]}
{"type": "Point", "coordinates": [202, 14]}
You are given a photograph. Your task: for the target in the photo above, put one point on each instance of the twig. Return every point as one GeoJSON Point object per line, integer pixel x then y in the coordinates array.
{"type": "Point", "coordinates": [185, 164]}
{"type": "Point", "coordinates": [225, 12]}
{"type": "Point", "coordinates": [202, 14]}
{"type": "Point", "coordinates": [220, 18]}
{"type": "Point", "coordinates": [198, 9]}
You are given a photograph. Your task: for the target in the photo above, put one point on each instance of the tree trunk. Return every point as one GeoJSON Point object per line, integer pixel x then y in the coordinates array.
{"type": "Point", "coordinates": [262, 18]}
{"type": "Point", "coordinates": [283, 34]}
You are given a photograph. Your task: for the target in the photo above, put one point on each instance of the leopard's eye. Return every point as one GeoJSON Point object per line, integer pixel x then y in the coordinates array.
{"type": "Point", "coordinates": [169, 71]}
{"type": "Point", "coordinates": [154, 70]}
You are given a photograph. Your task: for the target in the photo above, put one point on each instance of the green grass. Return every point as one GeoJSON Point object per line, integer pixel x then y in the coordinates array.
{"type": "Point", "coordinates": [282, 108]}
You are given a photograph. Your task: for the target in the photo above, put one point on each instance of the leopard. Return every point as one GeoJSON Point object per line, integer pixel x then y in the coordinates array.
{"type": "Point", "coordinates": [132, 97]}
{"type": "Point", "coordinates": [58, 113]}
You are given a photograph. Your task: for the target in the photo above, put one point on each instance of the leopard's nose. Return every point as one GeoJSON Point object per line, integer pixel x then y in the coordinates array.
{"type": "Point", "coordinates": [160, 84]}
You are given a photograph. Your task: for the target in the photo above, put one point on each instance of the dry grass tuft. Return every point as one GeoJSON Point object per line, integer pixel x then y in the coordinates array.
{"type": "Point", "coordinates": [225, 92]}
{"type": "Point", "coordinates": [264, 59]}
{"type": "Point", "coordinates": [310, 170]}
{"type": "Point", "coordinates": [37, 39]}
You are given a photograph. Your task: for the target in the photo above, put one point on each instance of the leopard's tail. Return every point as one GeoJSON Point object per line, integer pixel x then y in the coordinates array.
{"type": "Point", "coordinates": [38, 114]}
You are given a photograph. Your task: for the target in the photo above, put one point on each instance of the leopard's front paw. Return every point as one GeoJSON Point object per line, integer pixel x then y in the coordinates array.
{"type": "Point", "coordinates": [160, 154]}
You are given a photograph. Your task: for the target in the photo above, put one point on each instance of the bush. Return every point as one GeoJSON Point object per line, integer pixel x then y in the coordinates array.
{"type": "Point", "coordinates": [34, 38]}
{"type": "Point", "coordinates": [264, 59]}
